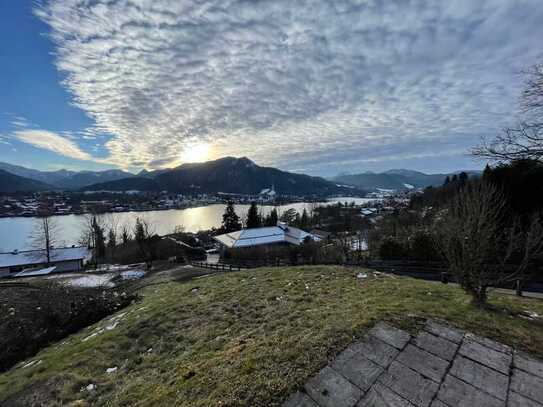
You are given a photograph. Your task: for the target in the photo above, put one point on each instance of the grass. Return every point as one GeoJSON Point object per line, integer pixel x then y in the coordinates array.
{"type": "Point", "coordinates": [245, 338]}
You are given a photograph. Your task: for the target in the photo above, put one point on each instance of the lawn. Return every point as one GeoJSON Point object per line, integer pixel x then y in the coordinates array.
{"type": "Point", "coordinates": [244, 338]}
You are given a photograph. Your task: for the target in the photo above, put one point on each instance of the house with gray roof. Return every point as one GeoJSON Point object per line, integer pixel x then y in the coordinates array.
{"type": "Point", "coordinates": [282, 234]}
{"type": "Point", "coordinates": [62, 259]}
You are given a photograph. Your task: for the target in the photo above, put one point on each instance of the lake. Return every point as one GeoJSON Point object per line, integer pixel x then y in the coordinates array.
{"type": "Point", "coordinates": [15, 232]}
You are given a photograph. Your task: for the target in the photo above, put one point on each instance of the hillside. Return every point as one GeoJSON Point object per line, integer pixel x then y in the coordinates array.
{"type": "Point", "coordinates": [395, 179]}
{"type": "Point", "coordinates": [230, 175]}
{"type": "Point", "coordinates": [13, 183]}
{"type": "Point", "coordinates": [243, 338]}
{"type": "Point", "coordinates": [64, 179]}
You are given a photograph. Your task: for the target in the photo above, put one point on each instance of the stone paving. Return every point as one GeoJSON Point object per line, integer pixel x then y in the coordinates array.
{"type": "Point", "coordinates": [440, 367]}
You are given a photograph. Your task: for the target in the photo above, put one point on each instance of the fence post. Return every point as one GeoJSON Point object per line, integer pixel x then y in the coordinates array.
{"type": "Point", "coordinates": [519, 287]}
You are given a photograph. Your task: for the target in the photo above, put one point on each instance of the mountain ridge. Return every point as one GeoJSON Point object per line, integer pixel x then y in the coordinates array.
{"type": "Point", "coordinates": [227, 175]}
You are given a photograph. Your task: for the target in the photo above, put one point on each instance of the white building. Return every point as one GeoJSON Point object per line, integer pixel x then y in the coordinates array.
{"type": "Point", "coordinates": [281, 234]}
{"type": "Point", "coordinates": [62, 259]}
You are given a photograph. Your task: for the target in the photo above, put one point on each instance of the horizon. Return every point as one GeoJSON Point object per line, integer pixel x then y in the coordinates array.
{"type": "Point", "coordinates": [342, 87]}
{"type": "Point", "coordinates": [458, 170]}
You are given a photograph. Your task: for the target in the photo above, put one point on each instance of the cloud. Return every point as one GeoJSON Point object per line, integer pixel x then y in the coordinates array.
{"type": "Point", "coordinates": [305, 83]}
{"type": "Point", "coordinates": [53, 142]}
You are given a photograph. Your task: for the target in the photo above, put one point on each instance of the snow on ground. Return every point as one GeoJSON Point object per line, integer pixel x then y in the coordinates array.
{"type": "Point", "coordinates": [95, 280]}
{"type": "Point", "coordinates": [132, 274]}
{"type": "Point", "coordinates": [408, 186]}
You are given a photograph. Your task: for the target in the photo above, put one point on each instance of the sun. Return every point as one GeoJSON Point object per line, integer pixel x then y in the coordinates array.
{"type": "Point", "coordinates": [195, 153]}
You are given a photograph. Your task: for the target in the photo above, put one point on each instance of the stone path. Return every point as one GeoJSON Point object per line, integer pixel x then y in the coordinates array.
{"type": "Point", "coordinates": [440, 367]}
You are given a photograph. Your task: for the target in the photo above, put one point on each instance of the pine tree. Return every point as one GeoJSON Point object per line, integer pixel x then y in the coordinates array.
{"type": "Point", "coordinates": [99, 239]}
{"type": "Point", "coordinates": [304, 220]}
{"type": "Point", "coordinates": [462, 178]}
{"type": "Point", "coordinates": [230, 220]}
{"type": "Point", "coordinates": [253, 218]}
{"type": "Point", "coordinates": [111, 242]}
{"type": "Point", "coordinates": [447, 180]}
{"type": "Point", "coordinates": [272, 218]}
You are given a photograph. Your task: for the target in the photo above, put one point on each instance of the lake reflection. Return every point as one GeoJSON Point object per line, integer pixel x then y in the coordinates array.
{"type": "Point", "coordinates": [15, 232]}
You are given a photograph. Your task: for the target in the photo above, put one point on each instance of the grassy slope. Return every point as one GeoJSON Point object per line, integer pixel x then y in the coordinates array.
{"type": "Point", "coordinates": [247, 338]}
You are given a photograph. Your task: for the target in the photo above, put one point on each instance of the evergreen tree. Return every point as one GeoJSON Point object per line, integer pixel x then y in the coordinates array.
{"type": "Point", "coordinates": [487, 172]}
{"type": "Point", "coordinates": [253, 217]}
{"type": "Point", "coordinates": [447, 180]}
{"type": "Point", "coordinates": [111, 242]}
{"type": "Point", "coordinates": [304, 220]}
{"type": "Point", "coordinates": [272, 218]}
{"type": "Point", "coordinates": [462, 178]}
{"type": "Point", "coordinates": [230, 220]}
{"type": "Point", "coordinates": [99, 239]}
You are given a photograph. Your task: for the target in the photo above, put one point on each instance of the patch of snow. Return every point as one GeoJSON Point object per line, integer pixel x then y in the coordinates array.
{"type": "Point", "coordinates": [132, 274]}
{"type": "Point", "coordinates": [92, 335]}
{"type": "Point", "coordinates": [102, 280]}
{"type": "Point", "coordinates": [112, 326]}
{"type": "Point", "coordinates": [91, 387]}
{"type": "Point", "coordinates": [408, 186]}
{"type": "Point", "coordinates": [31, 363]}
{"type": "Point", "coordinates": [110, 370]}
{"type": "Point", "coordinates": [361, 275]}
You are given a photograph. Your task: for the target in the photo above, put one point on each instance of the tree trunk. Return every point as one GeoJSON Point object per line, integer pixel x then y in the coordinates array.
{"type": "Point", "coordinates": [479, 297]}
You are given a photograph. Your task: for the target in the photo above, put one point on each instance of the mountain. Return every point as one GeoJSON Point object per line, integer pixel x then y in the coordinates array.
{"type": "Point", "coordinates": [395, 179]}
{"type": "Point", "coordinates": [84, 178]}
{"type": "Point", "coordinates": [127, 184]}
{"type": "Point", "coordinates": [229, 175]}
{"type": "Point", "coordinates": [50, 177]}
{"type": "Point", "coordinates": [13, 183]}
{"type": "Point", "coordinates": [65, 179]}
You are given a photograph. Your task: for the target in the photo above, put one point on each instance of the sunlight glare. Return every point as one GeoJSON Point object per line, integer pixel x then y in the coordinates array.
{"type": "Point", "coordinates": [195, 153]}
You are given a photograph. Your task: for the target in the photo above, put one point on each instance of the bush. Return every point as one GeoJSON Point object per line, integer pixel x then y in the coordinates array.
{"type": "Point", "coordinates": [422, 246]}
{"type": "Point", "coordinates": [391, 249]}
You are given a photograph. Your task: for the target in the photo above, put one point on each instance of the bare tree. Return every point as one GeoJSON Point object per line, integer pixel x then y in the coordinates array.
{"type": "Point", "coordinates": [481, 246]}
{"type": "Point", "coordinates": [525, 140]}
{"type": "Point", "coordinates": [146, 239]}
{"type": "Point", "coordinates": [45, 234]}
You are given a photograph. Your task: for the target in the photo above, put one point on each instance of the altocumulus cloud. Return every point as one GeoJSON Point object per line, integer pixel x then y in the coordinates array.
{"type": "Point", "coordinates": [293, 83]}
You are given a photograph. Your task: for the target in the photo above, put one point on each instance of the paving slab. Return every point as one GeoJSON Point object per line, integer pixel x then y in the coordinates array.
{"type": "Point", "coordinates": [409, 384]}
{"type": "Point", "coordinates": [457, 393]}
{"type": "Point", "coordinates": [489, 343]}
{"type": "Point", "coordinates": [528, 364]}
{"type": "Point", "coordinates": [488, 380]}
{"type": "Point", "coordinates": [440, 367]}
{"type": "Point", "coordinates": [381, 396]}
{"type": "Point", "coordinates": [300, 399]}
{"type": "Point", "coordinates": [391, 335]}
{"type": "Point", "coordinates": [436, 345]}
{"type": "Point", "coordinates": [527, 385]}
{"type": "Point", "coordinates": [486, 356]}
{"type": "Point", "coordinates": [423, 362]}
{"type": "Point", "coordinates": [516, 400]}
{"type": "Point", "coordinates": [445, 331]}
{"type": "Point", "coordinates": [378, 351]}
{"type": "Point", "coordinates": [359, 370]}
{"type": "Point", "coordinates": [329, 389]}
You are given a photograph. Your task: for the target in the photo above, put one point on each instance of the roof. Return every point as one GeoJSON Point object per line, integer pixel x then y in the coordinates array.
{"type": "Point", "coordinates": [35, 272]}
{"type": "Point", "coordinates": [265, 235]}
{"type": "Point", "coordinates": [24, 258]}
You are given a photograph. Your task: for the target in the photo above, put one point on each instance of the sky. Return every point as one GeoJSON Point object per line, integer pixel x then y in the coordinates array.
{"type": "Point", "coordinates": [320, 86]}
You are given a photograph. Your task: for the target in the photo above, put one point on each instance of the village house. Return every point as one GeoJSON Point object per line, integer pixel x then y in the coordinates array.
{"type": "Point", "coordinates": [34, 262]}
{"type": "Point", "coordinates": [282, 234]}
